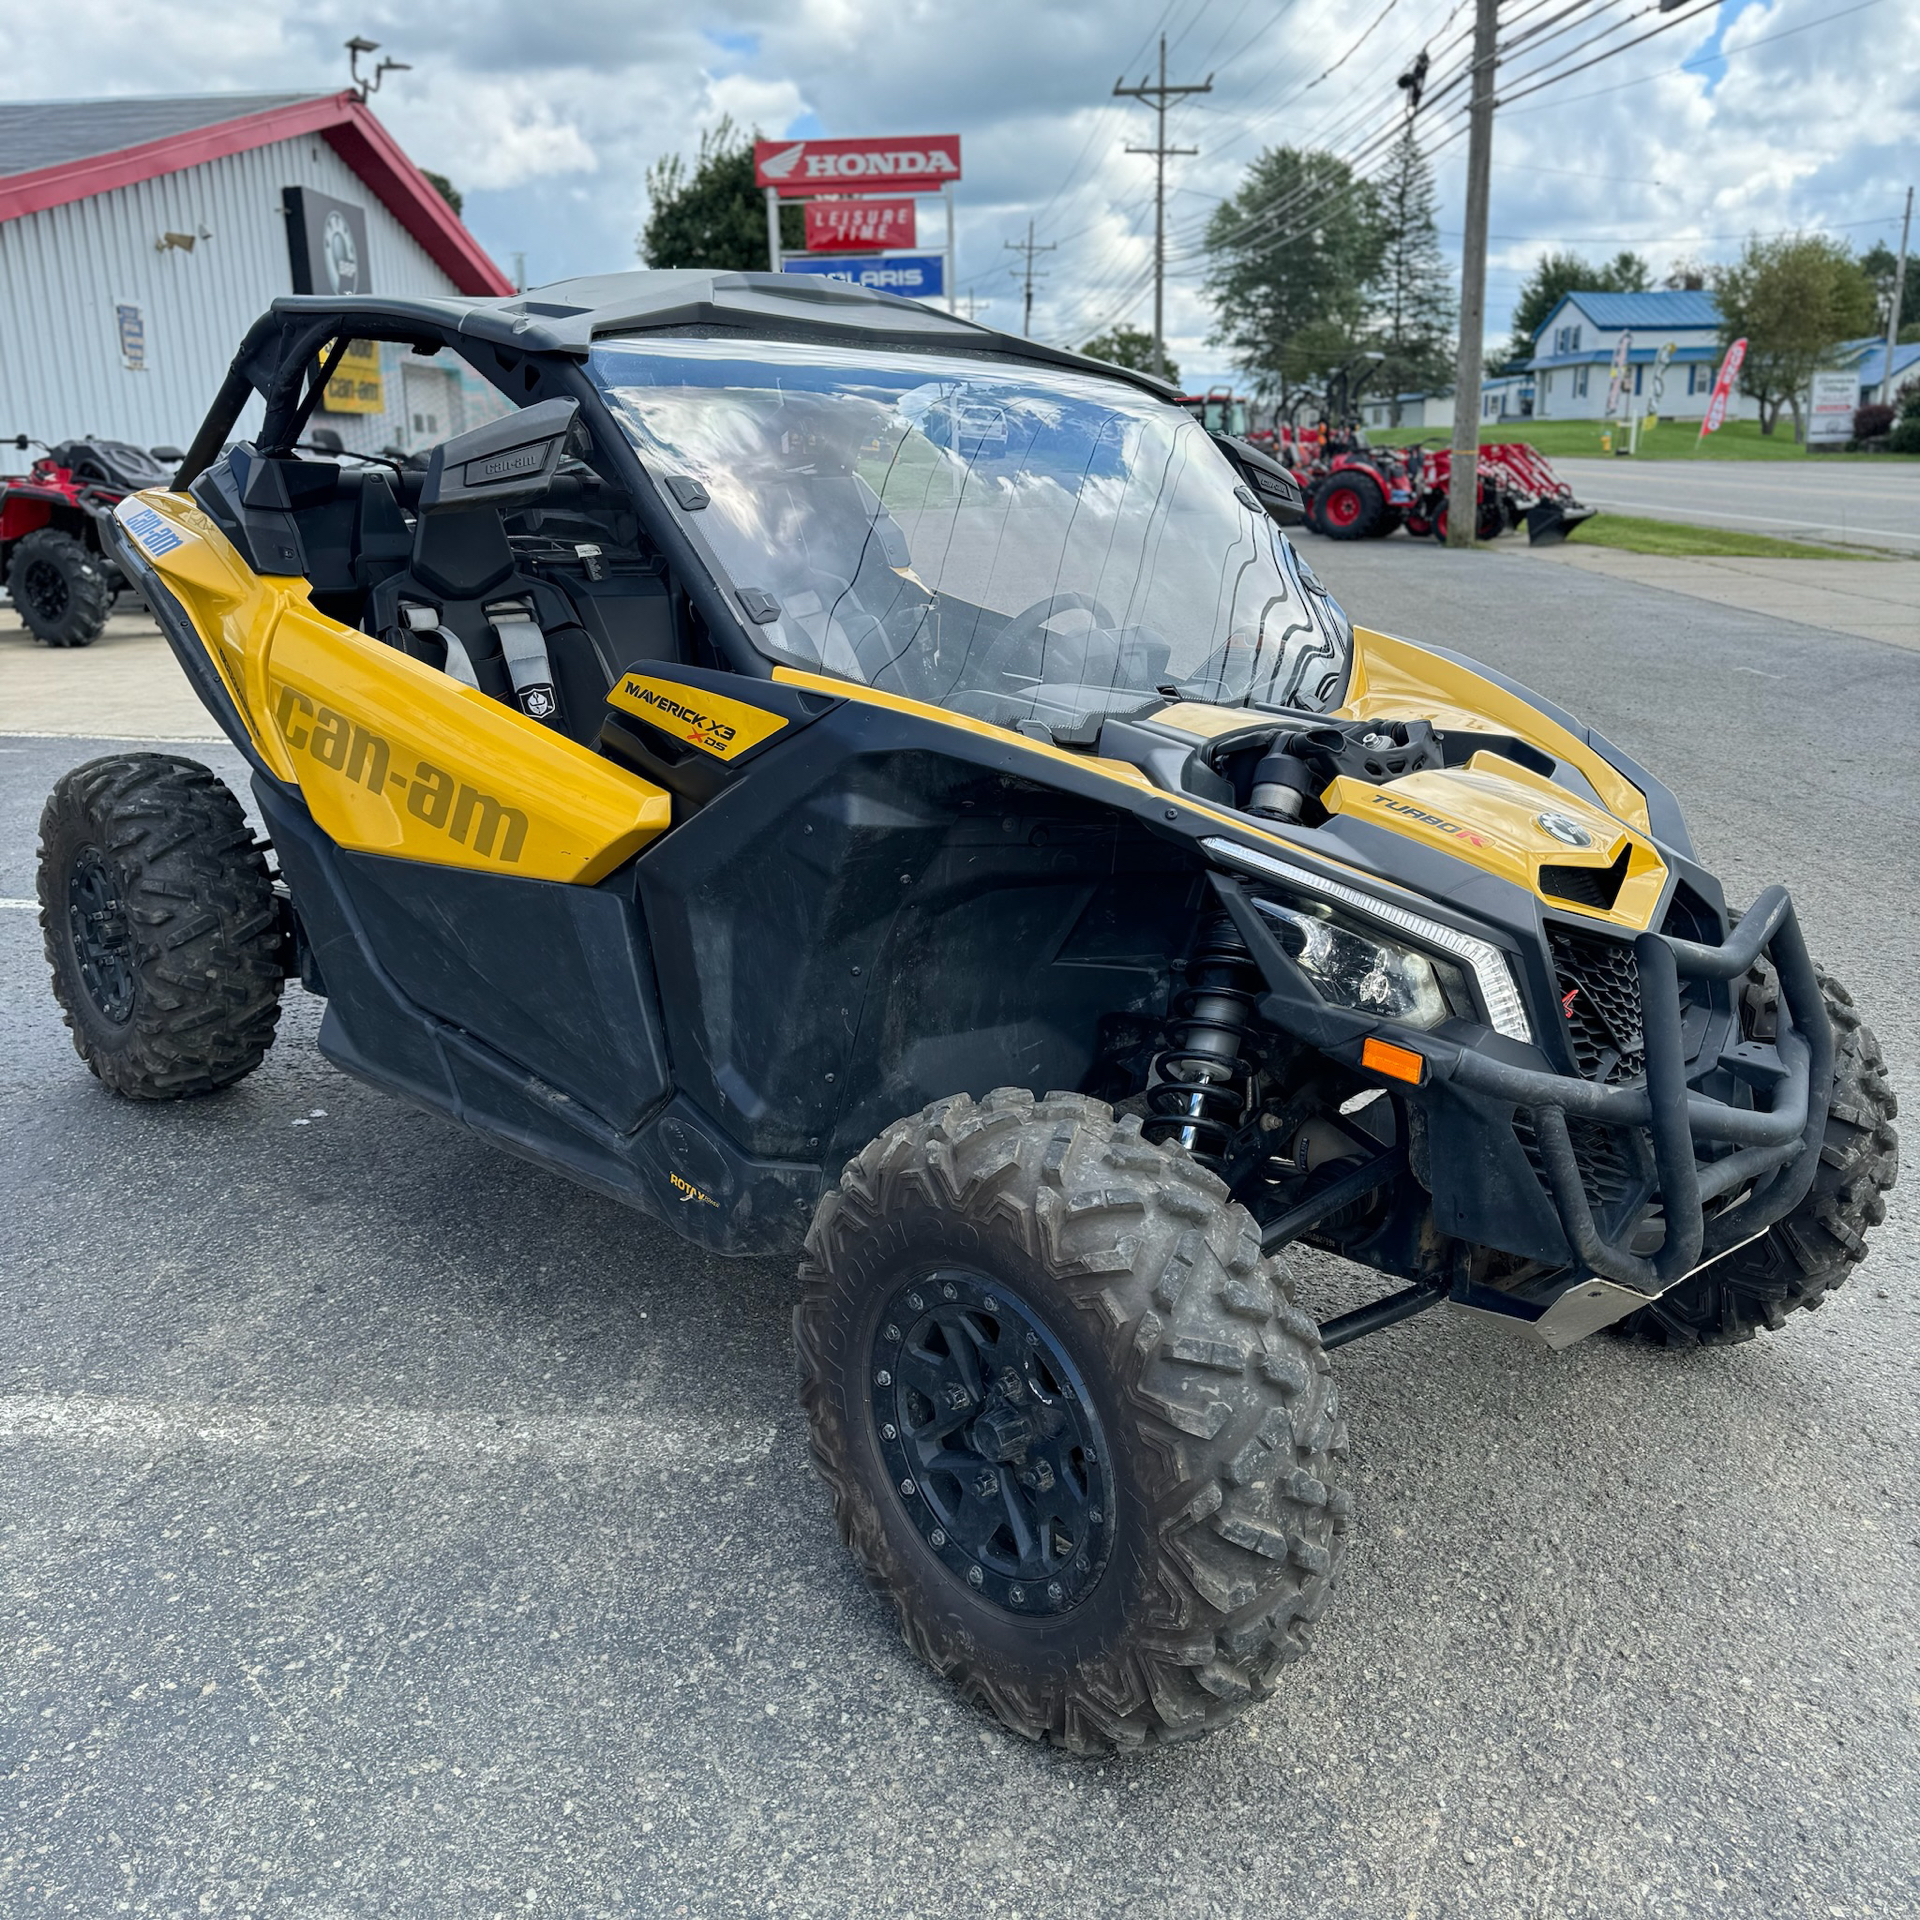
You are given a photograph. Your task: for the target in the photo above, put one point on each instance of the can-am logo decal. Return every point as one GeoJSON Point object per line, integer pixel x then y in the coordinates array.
{"type": "Point", "coordinates": [432, 795]}
{"type": "Point", "coordinates": [147, 527]}
{"type": "Point", "coordinates": [1411, 812]}
{"type": "Point", "coordinates": [1556, 826]}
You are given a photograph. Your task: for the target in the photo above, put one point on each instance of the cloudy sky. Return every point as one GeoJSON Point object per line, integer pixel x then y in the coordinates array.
{"type": "Point", "coordinates": [1756, 115]}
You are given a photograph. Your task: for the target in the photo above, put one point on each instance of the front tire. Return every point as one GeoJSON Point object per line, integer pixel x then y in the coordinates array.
{"type": "Point", "coordinates": [1798, 1261]}
{"type": "Point", "coordinates": [59, 588]}
{"type": "Point", "coordinates": [161, 926]}
{"type": "Point", "coordinates": [1349, 505]}
{"type": "Point", "coordinates": [1073, 1425]}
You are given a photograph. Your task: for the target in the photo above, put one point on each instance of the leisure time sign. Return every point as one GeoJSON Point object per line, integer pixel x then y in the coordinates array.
{"type": "Point", "coordinates": [900, 163]}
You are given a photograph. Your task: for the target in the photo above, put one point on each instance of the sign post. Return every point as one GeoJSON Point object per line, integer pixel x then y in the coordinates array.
{"type": "Point", "coordinates": [1722, 390]}
{"type": "Point", "coordinates": [840, 182]}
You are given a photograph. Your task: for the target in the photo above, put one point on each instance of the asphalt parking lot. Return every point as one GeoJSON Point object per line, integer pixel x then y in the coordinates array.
{"type": "Point", "coordinates": [387, 1528]}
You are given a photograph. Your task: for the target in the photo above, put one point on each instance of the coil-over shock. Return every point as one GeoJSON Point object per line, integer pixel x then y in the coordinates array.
{"type": "Point", "coordinates": [1197, 1092]}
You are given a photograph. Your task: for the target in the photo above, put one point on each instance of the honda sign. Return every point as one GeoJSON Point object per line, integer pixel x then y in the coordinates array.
{"type": "Point", "coordinates": [902, 163]}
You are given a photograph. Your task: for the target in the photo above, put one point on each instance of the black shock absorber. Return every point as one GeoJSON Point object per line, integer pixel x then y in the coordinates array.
{"type": "Point", "coordinates": [1198, 1090]}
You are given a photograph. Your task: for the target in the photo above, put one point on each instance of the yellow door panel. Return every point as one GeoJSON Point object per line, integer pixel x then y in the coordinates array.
{"type": "Point", "coordinates": [1396, 680]}
{"type": "Point", "coordinates": [392, 756]}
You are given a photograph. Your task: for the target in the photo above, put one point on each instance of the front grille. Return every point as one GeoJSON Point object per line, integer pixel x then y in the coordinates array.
{"type": "Point", "coordinates": [1600, 997]}
{"type": "Point", "coordinates": [1606, 1166]}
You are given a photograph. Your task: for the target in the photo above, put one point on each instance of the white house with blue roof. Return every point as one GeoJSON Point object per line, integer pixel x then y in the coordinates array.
{"type": "Point", "coordinates": [1573, 353]}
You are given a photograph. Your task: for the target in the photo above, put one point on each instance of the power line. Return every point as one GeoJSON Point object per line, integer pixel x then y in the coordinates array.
{"type": "Point", "coordinates": [1028, 248]}
{"type": "Point", "coordinates": [1157, 94]}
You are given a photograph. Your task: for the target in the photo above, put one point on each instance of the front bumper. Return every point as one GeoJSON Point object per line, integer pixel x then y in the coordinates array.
{"type": "Point", "coordinates": [1700, 1175]}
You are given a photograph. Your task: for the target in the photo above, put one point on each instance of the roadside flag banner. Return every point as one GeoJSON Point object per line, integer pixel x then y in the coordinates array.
{"type": "Point", "coordinates": [1723, 388]}
{"type": "Point", "coordinates": [863, 226]}
{"type": "Point", "coordinates": [1616, 387]}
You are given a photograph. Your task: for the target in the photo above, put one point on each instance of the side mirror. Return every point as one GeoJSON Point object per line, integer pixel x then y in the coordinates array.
{"type": "Point", "coordinates": [506, 463]}
{"type": "Point", "coordinates": [1270, 483]}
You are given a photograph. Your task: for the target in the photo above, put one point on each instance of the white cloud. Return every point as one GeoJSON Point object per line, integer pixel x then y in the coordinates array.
{"type": "Point", "coordinates": [550, 117]}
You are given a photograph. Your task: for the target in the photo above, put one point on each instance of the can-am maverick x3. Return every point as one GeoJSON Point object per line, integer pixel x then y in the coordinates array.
{"type": "Point", "coordinates": [855, 784]}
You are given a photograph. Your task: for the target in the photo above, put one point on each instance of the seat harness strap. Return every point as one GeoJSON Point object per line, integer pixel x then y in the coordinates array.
{"type": "Point", "coordinates": [524, 648]}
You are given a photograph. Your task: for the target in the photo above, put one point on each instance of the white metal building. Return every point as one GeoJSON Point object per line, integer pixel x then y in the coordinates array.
{"type": "Point", "coordinates": [139, 238]}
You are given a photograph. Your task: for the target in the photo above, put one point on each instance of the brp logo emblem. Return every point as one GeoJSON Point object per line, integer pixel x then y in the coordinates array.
{"type": "Point", "coordinates": [1570, 833]}
{"type": "Point", "coordinates": [342, 257]}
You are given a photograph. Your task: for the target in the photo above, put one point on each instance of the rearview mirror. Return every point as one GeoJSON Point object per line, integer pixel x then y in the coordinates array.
{"type": "Point", "coordinates": [506, 463]}
{"type": "Point", "coordinates": [1271, 484]}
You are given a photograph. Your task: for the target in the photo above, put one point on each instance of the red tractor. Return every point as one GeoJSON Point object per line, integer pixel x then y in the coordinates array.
{"type": "Point", "coordinates": [56, 569]}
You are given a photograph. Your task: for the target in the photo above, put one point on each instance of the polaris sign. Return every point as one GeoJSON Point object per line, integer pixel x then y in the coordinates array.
{"type": "Point", "coordinates": [918, 276]}
{"type": "Point", "coordinates": [902, 163]}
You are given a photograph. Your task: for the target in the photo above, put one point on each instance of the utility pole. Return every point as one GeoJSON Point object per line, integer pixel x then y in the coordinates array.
{"type": "Point", "coordinates": [1157, 95]}
{"type": "Point", "coordinates": [972, 302]}
{"type": "Point", "coordinates": [1029, 249]}
{"type": "Point", "coordinates": [1463, 492]}
{"type": "Point", "coordinates": [1893, 311]}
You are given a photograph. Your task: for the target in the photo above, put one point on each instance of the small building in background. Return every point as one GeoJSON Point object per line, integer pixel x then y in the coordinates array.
{"type": "Point", "coordinates": [139, 238]}
{"type": "Point", "coordinates": [1573, 355]}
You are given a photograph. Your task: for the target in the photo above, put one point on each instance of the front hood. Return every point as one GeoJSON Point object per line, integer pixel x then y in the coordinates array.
{"type": "Point", "coordinates": [1514, 823]}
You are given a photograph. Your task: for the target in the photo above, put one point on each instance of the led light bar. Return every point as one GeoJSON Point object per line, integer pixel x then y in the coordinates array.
{"type": "Point", "coordinates": [1506, 1010]}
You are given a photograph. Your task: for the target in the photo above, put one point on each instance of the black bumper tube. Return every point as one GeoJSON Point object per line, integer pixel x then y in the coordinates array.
{"type": "Point", "coordinates": [1776, 1148]}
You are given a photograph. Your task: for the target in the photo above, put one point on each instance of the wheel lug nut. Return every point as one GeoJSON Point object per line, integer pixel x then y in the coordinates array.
{"type": "Point", "coordinates": [991, 1304]}
{"type": "Point", "coordinates": [915, 1302]}
{"type": "Point", "coordinates": [938, 1536]}
{"type": "Point", "coordinates": [906, 1487]}
{"type": "Point", "coordinates": [884, 1379]}
{"type": "Point", "coordinates": [974, 1576]}
{"type": "Point", "coordinates": [1053, 1589]}
{"type": "Point", "coordinates": [893, 1333]}
{"type": "Point", "coordinates": [1094, 1516]}
{"type": "Point", "coordinates": [1016, 1594]}
{"type": "Point", "coordinates": [890, 1432]}
{"type": "Point", "coordinates": [948, 1293]}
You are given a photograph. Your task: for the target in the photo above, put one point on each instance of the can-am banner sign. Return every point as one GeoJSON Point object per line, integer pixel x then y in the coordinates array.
{"type": "Point", "coordinates": [867, 226]}
{"type": "Point", "coordinates": [896, 163]}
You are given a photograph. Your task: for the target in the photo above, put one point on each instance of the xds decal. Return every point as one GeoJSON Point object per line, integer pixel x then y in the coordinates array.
{"type": "Point", "coordinates": [433, 795]}
{"type": "Point", "coordinates": [1428, 819]}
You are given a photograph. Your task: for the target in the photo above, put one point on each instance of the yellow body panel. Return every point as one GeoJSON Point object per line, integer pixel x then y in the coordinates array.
{"type": "Point", "coordinates": [710, 721]}
{"type": "Point", "coordinates": [391, 755]}
{"type": "Point", "coordinates": [1488, 812]}
{"type": "Point", "coordinates": [1396, 680]}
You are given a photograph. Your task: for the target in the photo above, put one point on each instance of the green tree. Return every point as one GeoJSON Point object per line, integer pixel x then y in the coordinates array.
{"type": "Point", "coordinates": [444, 188]}
{"type": "Point", "coordinates": [1130, 347]}
{"type": "Point", "coordinates": [1793, 300]}
{"type": "Point", "coordinates": [1555, 275]}
{"type": "Point", "coordinates": [1880, 264]}
{"type": "Point", "coordinates": [711, 214]}
{"type": "Point", "coordinates": [1414, 306]}
{"type": "Point", "coordinates": [1292, 259]}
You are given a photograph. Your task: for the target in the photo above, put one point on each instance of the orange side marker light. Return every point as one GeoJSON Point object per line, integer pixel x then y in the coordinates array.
{"type": "Point", "coordinates": [1397, 1063]}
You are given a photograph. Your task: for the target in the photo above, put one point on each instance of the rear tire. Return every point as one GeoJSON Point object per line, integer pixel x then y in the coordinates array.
{"type": "Point", "coordinates": [59, 588]}
{"type": "Point", "coordinates": [1800, 1260]}
{"type": "Point", "coordinates": [1209, 1522]}
{"type": "Point", "coordinates": [1349, 505]}
{"type": "Point", "coordinates": [161, 926]}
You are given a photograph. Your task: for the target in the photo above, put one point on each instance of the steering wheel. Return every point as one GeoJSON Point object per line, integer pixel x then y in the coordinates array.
{"type": "Point", "coordinates": [1025, 627]}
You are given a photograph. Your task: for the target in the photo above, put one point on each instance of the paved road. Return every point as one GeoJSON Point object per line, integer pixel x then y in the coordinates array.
{"type": "Point", "coordinates": [1873, 504]}
{"type": "Point", "coordinates": [387, 1529]}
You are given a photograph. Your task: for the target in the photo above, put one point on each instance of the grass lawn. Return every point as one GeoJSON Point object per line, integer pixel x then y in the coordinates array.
{"type": "Point", "coordinates": [1634, 535]}
{"type": "Point", "coordinates": [1671, 440]}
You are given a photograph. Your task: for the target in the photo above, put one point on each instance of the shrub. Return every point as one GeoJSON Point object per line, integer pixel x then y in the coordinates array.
{"type": "Point", "coordinates": [1870, 422]}
{"type": "Point", "coordinates": [1905, 437]}
{"type": "Point", "coordinates": [1906, 399]}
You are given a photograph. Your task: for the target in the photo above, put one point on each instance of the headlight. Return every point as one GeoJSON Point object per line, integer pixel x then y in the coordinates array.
{"type": "Point", "coordinates": [1357, 969]}
{"type": "Point", "coordinates": [1506, 1012]}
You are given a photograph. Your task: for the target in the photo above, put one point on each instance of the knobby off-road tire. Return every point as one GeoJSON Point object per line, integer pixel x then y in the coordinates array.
{"type": "Point", "coordinates": [1349, 505]}
{"type": "Point", "coordinates": [60, 589]}
{"type": "Point", "coordinates": [1803, 1258]}
{"type": "Point", "coordinates": [161, 926]}
{"type": "Point", "coordinates": [1220, 1419]}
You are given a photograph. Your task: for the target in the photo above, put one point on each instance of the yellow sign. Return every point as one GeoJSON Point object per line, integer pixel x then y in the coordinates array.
{"type": "Point", "coordinates": [356, 386]}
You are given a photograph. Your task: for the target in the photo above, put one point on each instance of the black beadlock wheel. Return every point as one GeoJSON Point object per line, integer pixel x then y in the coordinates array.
{"type": "Point", "coordinates": [1074, 1427]}
{"type": "Point", "coordinates": [1796, 1263]}
{"type": "Point", "coordinates": [161, 926]}
{"type": "Point", "coordinates": [60, 589]}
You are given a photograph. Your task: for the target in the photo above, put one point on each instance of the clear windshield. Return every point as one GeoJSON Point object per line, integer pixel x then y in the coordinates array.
{"type": "Point", "coordinates": [1010, 541]}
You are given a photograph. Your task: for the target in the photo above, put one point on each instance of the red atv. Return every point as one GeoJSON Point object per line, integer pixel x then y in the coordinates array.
{"type": "Point", "coordinates": [56, 569]}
